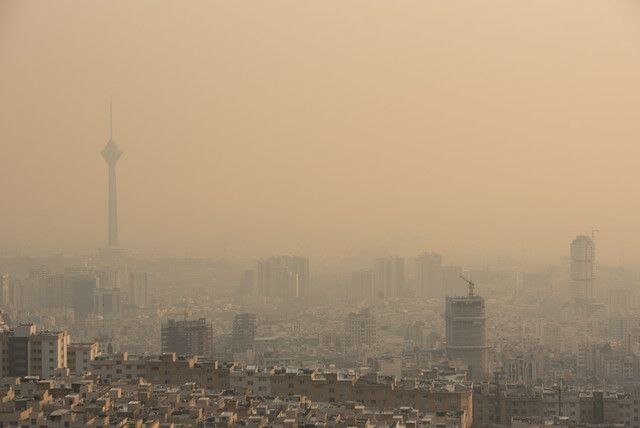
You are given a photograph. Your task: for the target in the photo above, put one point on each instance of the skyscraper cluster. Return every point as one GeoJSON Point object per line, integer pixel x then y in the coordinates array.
{"type": "Point", "coordinates": [283, 277]}
{"type": "Point", "coordinates": [389, 277]}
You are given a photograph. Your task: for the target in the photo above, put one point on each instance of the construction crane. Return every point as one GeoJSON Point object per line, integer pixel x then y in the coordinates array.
{"type": "Point", "coordinates": [471, 284]}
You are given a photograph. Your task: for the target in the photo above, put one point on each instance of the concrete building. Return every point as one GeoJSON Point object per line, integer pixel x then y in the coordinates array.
{"type": "Point", "coordinates": [583, 272]}
{"type": "Point", "coordinates": [244, 332]}
{"type": "Point", "coordinates": [80, 355]}
{"type": "Point", "coordinates": [83, 287]}
{"type": "Point", "coordinates": [466, 332]}
{"type": "Point", "coordinates": [107, 302]}
{"type": "Point", "coordinates": [48, 352]}
{"type": "Point", "coordinates": [5, 295]}
{"type": "Point", "coordinates": [137, 291]}
{"type": "Point", "coordinates": [389, 277]}
{"type": "Point", "coordinates": [361, 328]}
{"type": "Point", "coordinates": [187, 337]}
{"type": "Point", "coordinates": [28, 352]}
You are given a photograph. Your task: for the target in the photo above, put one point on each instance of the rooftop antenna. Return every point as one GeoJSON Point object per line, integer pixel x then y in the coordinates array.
{"type": "Point", "coordinates": [471, 284]}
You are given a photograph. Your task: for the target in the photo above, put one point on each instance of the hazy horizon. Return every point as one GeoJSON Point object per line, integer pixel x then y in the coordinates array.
{"type": "Point", "coordinates": [484, 131]}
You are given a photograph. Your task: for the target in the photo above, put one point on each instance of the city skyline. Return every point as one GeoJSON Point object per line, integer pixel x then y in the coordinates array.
{"type": "Point", "coordinates": [409, 214]}
{"type": "Point", "coordinates": [459, 145]}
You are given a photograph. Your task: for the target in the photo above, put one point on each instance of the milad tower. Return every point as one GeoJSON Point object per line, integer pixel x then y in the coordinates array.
{"type": "Point", "coordinates": [111, 153]}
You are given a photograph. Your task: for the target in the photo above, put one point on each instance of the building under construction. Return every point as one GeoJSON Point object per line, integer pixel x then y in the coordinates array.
{"type": "Point", "coordinates": [187, 337]}
{"type": "Point", "coordinates": [466, 332]}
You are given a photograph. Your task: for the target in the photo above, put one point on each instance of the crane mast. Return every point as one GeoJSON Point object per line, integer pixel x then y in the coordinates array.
{"type": "Point", "coordinates": [471, 285]}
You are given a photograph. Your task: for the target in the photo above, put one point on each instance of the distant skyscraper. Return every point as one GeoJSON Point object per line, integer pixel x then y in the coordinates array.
{"type": "Point", "coordinates": [284, 277]}
{"type": "Point", "coordinates": [583, 260]}
{"type": "Point", "coordinates": [5, 297]}
{"type": "Point", "coordinates": [361, 287]}
{"type": "Point", "coordinates": [187, 337]}
{"type": "Point", "coordinates": [466, 332]}
{"type": "Point", "coordinates": [111, 153]}
{"type": "Point", "coordinates": [244, 332]}
{"type": "Point", "coordinates": [429, 275]}
{"type": "Point", "coordinates": [389, 277]}
{"type": "Point", "coordinates": [83, 287]}
{"type": "Point", "coordinates": [138, 288]}
{"type": "Point", "coordinates": [361, 328]}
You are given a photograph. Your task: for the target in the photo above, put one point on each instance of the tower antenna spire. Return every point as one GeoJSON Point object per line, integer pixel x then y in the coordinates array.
{"type": "Point", "coordinates": [110, 118]}
{"type": "Point", "coordinates": [111, 153]}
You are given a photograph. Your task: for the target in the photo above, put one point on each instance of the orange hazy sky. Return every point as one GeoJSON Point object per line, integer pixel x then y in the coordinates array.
{"type": "Point", "coordinates": [480, 129]}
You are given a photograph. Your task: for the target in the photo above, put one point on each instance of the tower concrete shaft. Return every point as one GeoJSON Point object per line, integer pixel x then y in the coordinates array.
{"type": "Point", "coordinates": [111, 153]}
{"type": "Point", "coordinates": [113, 207]}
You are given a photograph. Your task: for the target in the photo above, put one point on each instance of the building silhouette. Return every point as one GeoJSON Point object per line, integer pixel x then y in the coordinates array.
{"type": "Point", "coordinates": [187, 337]}
{"type": "Point", "coordinates": [361, 288]}
{"type": "Point", "coordinates": [583, 262]}
{"type": "Point", "coordinates": [466, 332]}
{"type": "Point", "coordinates": [361, 328]}
{"type": "Point", "coordinates": [28, 352]}
{"type": "Point", "coordinates": [283, 277]}
{"type": "Point", "coordinates": [389, 277]}
{"type": "Point", "coordinates": [244, 332]}
{"type": "Point", "coordinates": [111, 154]}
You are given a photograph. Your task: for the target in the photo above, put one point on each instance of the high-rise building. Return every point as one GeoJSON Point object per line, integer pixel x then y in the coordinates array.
{"type": "Point", "coordinates": [429, 279]}
{"type": "Point", "coordinates": [111, 154]}
{"type": "Point", "coordinates": [5, 296]}
{"type": "Point", "coordinates": [466, 332]}
{"type": "Point", "coordinates": [187, 337]}
{"type": "Point", "coordinates": [48, 350]}
{"type": "Point", "coordinates": [28, 352]}
{"type": "Point", "coordinates": [138, 289]}
{"type": "Point", "coordinates": [244, 332]}
{"type": "Point", "coordinates": [247, 283]}
{"type": "Point", "coordinates": [583, 272]}
{"type": "Point", "coordinates": [361, 328]}
{"type": "Point", "coordinates": [361, 288]}
{"type": "Point", "coordinates": [107, 302]}
{"type": "Point", "coordinates": [283, 277]}
{"type": "Point", "coordinates": [389, 279]}
{"type": "Point", "coordinates": [83, 286]}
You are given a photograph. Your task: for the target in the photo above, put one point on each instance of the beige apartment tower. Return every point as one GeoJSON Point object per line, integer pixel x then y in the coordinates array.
{"type": "Point", "coordinates": [583, 268]}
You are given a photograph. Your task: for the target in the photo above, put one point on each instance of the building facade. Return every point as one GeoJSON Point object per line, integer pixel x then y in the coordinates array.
{"type": "Point", "coordinates": [466, 333]}
{"type": "Point", "coordinates": [187, 337]}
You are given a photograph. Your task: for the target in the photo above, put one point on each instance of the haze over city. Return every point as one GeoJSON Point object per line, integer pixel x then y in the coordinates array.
{"type": "Point", "coordinates": [489, 131]}
{"type": "Point", "coordinates": [288, 214]}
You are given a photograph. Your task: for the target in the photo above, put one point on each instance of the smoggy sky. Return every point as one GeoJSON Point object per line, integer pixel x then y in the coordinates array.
{"type": "Point", "coordinates": [481, 129]}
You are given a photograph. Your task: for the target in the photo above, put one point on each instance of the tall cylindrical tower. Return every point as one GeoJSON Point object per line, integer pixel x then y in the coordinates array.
{"type": "Point", "coordinates": [111, 153]}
